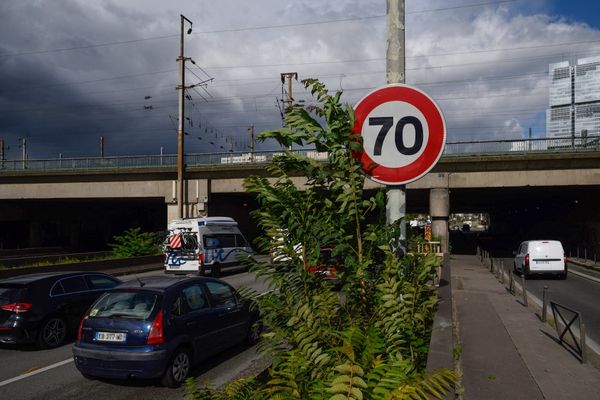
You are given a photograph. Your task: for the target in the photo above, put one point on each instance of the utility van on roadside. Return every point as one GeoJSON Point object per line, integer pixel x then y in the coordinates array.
{"type": "Point", "coordinates": [201, 245]}
{"type": "Point", "coordinates": [541, 257]}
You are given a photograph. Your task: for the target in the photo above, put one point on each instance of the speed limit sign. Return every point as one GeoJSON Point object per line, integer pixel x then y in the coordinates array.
{"type": "Point", "coordinates": [403, 133]}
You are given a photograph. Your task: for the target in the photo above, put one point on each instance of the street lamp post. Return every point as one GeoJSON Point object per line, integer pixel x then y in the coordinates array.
{"type": "Point", "coordinates": [180, 133]}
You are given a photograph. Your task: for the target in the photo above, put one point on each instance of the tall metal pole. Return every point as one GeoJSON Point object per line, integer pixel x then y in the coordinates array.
{"type": "Point", "coordinates": [24, 149]}
{"type": "Point", "coordinates": [252, 142]}
{"type": "Point", "coordinates": [395, 70]}
{"type": "Point", "coordinates": [101, 146]}
{"type": "Point", "coordinates": [180, 134]}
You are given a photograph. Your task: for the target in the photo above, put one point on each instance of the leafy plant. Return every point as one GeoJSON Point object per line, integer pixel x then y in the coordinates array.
{"type": "Point", "coordinates": [369, 341]}
{"type": "Point", "coordinates": [133, 242]}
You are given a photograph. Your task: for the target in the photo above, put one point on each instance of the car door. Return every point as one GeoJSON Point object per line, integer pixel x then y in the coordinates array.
{"type": "Point", "coordinates": [520, 256]}
{"type": "Point", "coordinates": [232, 316]}
{"type": "Point", "coordinates": [75, 298]}
{"type": "Point", "coordinates": [192, 316]}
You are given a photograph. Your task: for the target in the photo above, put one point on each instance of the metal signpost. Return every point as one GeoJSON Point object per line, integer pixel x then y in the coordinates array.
{"type": "Point", "coordinates": [403, 132]}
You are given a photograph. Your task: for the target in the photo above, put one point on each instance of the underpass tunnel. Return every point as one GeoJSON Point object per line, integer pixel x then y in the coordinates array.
{"type": "Point", "coordinates": [76, 224]}
{"type": "Point", "coordinates": [569, 214]}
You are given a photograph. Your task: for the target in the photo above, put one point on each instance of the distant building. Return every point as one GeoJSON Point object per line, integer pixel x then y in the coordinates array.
{"type": "Point", "coordinates": [574, 112]}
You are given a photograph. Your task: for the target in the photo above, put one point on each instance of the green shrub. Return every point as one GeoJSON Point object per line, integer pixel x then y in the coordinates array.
{"type": "Point", "coordinates": [133, 243]}
{"type": "Point", "coordinates": [371, 340]}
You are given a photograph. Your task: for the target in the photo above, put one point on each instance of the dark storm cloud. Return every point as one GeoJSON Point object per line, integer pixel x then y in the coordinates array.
{"type": "Point", "coordinates": [72, 70]}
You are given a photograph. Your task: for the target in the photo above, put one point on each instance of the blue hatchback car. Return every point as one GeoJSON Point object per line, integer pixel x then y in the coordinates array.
{"type": "Point", "coordinates": [159, 327]}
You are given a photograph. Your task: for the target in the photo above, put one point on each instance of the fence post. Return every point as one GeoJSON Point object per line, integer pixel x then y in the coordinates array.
{"type": "Point", "coordinates": [502, 269]}
{"type": "Point", "coordinates": [585, 253]}
{"type": "Point", "coordinates": [524, 289]}
{"type": "Point", "coordinates": [545, 304]}
{"type": "Point", "coordinates": [492, 265]}
{"type": "Point", "coordinates": [582, 339]}
{"type": "Point", "coordinates": [511, 282]}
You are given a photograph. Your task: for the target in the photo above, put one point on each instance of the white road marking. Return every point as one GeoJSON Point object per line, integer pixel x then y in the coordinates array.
{"type": "Point", "coordinates": [37, 371]}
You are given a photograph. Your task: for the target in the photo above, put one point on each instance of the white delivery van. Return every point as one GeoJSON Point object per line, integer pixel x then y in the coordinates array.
{"type": "Point", "coordinates": [200, 245]}
{"type": "Point", "coordinates": [541, 257]}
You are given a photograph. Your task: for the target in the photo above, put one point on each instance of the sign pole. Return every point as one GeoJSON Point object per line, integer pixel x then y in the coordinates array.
{"type": "Point", "coordinates": [395, 68]}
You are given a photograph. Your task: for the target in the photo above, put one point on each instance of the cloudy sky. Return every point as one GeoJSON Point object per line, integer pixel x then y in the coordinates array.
{"type": "Point", "coordinates": [74, 70]}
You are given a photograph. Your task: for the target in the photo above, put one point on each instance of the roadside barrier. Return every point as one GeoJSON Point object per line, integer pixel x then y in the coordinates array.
{"type": "Point", "coordinates": [565, 313]}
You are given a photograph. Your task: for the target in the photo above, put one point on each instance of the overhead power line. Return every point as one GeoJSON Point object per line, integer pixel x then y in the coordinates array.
{"type": "Point", "coordinates": [351, 19]}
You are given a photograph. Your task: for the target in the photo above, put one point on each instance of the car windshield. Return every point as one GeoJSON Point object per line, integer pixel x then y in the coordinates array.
{"type": "Point", "coordinates": [10, 294]}
{"type": "Point", "coordinates": [127, 305]}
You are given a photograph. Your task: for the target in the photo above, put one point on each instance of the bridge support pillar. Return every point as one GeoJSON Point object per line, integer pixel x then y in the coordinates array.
{"type": "Point", "coordinates": [439, 209]}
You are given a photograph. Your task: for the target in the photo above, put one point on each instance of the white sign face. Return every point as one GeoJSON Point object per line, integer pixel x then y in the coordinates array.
{"type": "Point", "coordinates": [403, 134]}
{"type": "Point", "coordinates": [391, 135]}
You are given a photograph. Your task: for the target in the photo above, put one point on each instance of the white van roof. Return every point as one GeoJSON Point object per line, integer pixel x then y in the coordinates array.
{"type": "Point", "coordinates": [205, 221]}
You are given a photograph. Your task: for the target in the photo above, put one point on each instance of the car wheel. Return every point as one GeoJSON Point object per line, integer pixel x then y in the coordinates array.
{"type": "Point", "coordinates": [563, 276]}
{"type": "Point", "coordinates": [254, 332]}
{"type": "Point", "coordinates": [52, 333]}
{"type": "Point", "coordinates": [178, 369]}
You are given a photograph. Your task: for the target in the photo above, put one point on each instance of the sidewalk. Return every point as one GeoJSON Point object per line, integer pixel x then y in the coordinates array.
{"type": "Point", "coordinates": [506, 352]}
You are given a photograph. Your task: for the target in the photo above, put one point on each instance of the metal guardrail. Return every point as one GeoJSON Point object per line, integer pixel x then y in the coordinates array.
{"type": "Point", "coordinates": [452, 149]}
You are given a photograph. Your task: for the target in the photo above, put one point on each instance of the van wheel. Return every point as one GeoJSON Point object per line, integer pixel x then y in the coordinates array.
{"type": "Point", "coordinates": [178, 369]}
{"type": "Point", "coordinates": [216, 270]}
{"type": "Point", "coordinates": [53, 333]}
{"type": "Point", "coordinates": [562, 276]}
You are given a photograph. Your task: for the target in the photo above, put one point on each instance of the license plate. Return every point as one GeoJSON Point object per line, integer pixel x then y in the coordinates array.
{"type": "Point", "coordinates": [543, 262]}
{"type": "Point", "coordinates": [110, 336]}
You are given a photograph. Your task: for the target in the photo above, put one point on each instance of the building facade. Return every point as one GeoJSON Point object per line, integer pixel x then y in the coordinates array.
{"type": "Point", "coordinates": [574, 112]}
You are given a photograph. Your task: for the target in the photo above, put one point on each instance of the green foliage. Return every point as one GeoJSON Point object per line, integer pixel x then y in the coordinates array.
{"type": "Point", "coordinates": [133, 243]}
{"type": "Point", "coordinates": [369, 341]}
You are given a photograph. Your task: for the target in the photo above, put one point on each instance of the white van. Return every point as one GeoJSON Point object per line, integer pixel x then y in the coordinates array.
{"type": "Point", "coordinates": [199, 245]}
{"type": "Point", "coordinates": [541, 257]}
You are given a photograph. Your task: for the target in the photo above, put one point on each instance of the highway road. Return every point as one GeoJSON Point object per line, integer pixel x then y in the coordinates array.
{"type": "Point", "coordinates": [28, 373]}
{"type": "Point", "coordinates": [575, 292]}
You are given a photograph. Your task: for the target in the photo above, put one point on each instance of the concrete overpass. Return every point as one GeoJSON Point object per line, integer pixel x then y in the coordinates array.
{"type": "Point", "coordinates": [126, 191]}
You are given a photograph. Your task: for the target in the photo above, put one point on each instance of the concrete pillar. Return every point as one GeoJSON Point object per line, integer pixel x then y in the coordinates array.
{"type": "Point", "coordinates": [439, 209]}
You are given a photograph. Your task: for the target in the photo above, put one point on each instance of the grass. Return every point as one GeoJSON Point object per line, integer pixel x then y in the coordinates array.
{"type": "Point", "coordinates": [60, 261]}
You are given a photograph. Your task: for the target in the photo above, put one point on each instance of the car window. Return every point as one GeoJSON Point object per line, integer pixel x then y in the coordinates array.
{"type": "Point", "coordinates": [74, 284]}
{"type": "Point", "coordinates": [57, 289]}
{"type": "Point", "coordinates": [240, 241]}
{"type": "Point", "coordinates": [222, 295]}
{"type": "Point", "coordinates": [194, 298]}
{"type": "Point", "coordinates": [126, 305]}
{"type": "Point", "coordinates": [101, 282]}
{"type": "Point", "coordinates": [219, 240]}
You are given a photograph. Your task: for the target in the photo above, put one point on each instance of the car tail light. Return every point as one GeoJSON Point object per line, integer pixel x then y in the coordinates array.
{"type": "Point", "coordinates": [565, 259]}
{"type": "Point", "coordinates": [17, 307]}
{"type": "Point", "coordinates": [201, 258]}
{"type": "Point", "coordinates": [156, 335]}
{"type": "Point", "coordinates": [526, 262]}
{"type": "Point", "coordinates": [80, 329]}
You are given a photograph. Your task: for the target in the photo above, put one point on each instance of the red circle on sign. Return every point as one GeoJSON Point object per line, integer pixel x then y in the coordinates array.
{"type": "Point", "coordinates": [436, 138]}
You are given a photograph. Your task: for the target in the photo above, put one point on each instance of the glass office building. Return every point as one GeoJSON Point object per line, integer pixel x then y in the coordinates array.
{"type": "Point", "coordinates": [574, 112]}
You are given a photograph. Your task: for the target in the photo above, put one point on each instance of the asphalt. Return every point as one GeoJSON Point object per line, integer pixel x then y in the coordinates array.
{"type": "Point", "coordinates": [504, 351]}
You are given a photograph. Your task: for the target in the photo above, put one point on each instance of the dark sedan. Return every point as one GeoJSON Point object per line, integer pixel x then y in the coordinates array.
{"type": "Point", "coordinates": [158, 327]}
{"type": "Point", "coordinates": [46, 308]}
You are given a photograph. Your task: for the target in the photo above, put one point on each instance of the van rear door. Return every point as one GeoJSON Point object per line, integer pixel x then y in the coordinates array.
{"type": "Point", "coordinates": [546, 255]}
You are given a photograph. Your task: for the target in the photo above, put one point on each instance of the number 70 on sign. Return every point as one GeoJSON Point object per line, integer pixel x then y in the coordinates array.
{"type": "Point", "coordinates": [403, 133]}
